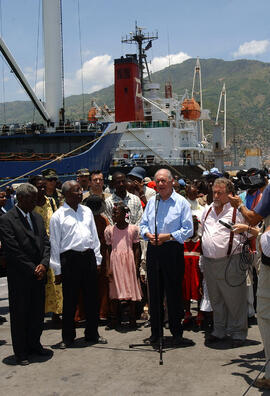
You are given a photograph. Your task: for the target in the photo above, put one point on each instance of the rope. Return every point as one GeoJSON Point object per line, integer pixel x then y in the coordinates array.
{"type": "Point", "coordinates": [59, 158]}
{"type": "Point", "coordinates": [156, 154]}
{"type": "Point", "coordinates": [80, 40]}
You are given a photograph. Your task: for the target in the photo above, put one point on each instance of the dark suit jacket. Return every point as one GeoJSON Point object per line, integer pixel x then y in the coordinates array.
{"type": "Point", "coordinates": [24, 249]}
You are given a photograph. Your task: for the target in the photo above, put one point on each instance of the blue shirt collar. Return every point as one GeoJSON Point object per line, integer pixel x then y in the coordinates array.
{"type": "Point", "coordinates": [173, 196]}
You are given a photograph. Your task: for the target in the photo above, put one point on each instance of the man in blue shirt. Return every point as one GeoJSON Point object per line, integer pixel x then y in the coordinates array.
{"type": "Point", "coordinates": [165, 254]}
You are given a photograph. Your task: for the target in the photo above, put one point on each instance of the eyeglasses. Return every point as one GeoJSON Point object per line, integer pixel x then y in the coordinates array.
{"type": "Point", "coordinates": [51, 179]}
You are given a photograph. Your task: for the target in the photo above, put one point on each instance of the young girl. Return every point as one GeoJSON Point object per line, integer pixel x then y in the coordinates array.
{"type": "Point", "coordinates": [123, 281]}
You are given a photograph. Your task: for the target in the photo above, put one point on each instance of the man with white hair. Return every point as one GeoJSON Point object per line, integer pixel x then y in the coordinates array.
{"type": "Point", "coordinates": [75, 254]}
{"type": "Point", "coordinates": [166, 224]}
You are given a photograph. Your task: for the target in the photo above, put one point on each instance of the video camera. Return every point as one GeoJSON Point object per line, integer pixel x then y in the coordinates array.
{"type": "Point", "coordinates": [251, 179]}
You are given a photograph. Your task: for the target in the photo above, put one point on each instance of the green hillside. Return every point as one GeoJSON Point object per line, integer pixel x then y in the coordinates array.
{"type": "Point", "coordinates": [248, 97]}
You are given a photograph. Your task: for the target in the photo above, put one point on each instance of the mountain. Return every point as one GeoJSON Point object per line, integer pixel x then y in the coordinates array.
{"type": "Point", "coordinates": [248, 97]}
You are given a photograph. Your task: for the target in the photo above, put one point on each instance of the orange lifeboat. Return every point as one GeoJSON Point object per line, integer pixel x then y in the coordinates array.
{"type": "Point", "coordinates": [191, 109]}
{"type": "Point", "coordinates": [92, 115]}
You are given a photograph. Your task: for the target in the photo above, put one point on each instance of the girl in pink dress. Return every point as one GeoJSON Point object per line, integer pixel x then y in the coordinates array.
{"type": "Point", "coordinates": [123, 239]}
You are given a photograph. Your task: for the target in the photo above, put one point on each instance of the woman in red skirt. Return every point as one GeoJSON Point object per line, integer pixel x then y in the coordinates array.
{"type": "Point", "coordinates": [192, 278]}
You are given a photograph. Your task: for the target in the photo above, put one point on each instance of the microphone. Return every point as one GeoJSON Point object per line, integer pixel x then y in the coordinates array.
{"type": "Point", "coordinates": [156, 209]}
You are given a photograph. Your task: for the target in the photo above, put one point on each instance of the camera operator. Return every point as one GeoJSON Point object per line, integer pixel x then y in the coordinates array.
{"type": "Point", "coordinates": [220, 246]}
{"type": "Point", "coordinates": [254, 205]}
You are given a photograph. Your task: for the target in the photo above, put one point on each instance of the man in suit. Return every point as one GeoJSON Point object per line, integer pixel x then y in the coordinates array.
{"type": "Point", "coordinates": [27, 251]}
{"type": "Point", "coordinates": [3, 268]}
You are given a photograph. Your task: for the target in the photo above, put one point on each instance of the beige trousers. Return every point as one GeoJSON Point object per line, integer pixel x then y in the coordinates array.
{"type": "Point", "coordinates": [229, 303]}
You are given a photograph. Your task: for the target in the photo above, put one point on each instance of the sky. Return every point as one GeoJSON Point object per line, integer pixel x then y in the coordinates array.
{"type": "Point", "coordinates": [224, 29]}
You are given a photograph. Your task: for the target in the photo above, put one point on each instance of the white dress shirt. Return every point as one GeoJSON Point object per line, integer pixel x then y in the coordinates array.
{"type": "Point", "coordinates": [215, 236]}
{"type": "Point", "coordinates": [72, 230]}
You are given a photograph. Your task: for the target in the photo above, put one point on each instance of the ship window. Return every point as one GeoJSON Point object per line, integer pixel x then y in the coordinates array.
{"type": "Point", "coordinates": [126, 90]}
{"type": "Point", "coordinates": [119, 74]}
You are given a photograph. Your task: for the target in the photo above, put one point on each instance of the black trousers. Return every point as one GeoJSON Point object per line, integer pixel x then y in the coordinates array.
{"type": "Point", "coordinates": [26, 306]}
{"type": "Point", "coordinates": [79, 272]}
{"type": "Point", "coordinates": [165, 272]}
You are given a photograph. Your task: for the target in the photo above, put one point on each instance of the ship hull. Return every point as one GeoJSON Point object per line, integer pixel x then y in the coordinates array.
{"type": "Point", "coordinates": [98, 156]}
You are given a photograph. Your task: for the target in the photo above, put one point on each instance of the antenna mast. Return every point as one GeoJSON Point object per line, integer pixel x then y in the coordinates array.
{"type": "Point", "coordinates": [139, 37]}
{"type": "Point", "coordinates": [197, 71]}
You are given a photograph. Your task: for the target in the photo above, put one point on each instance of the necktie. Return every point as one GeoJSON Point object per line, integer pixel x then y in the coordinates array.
{"type": "Point", "coordinates": [28, 218]}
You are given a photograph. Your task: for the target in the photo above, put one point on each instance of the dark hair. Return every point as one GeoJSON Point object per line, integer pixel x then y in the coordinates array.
{"type": "Point", "coordinates": [95, 172]}
{"type": "Point", "coordinates": [33, 179]}
{"type": "Point", "coordinates": [120, 205]}
{"type": "Point", "coordinates": [114, 176]}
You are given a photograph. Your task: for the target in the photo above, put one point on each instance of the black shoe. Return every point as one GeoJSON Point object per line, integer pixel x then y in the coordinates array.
{"type": "Point", "coordinates": [151, 340]}
{"type": "Point", "coordinates": [65, 344]}
{"type": "Point", "coordinates": [238, 343]}
{"type": "Point", "coordinates": [22, 361]}
{"type": "Point", "coordinates": [211, 339]}
{"type": "Point", "coordinates": [2, 319]}
{"type": "Point", "coordinates": [180, 341]}
{"type": "Point", "coordinates": [98, 340]}
{"type": "Point", "coordinates": [41, 351]}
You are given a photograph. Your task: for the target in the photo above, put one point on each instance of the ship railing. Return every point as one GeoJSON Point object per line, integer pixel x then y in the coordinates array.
{"type": "Point", "coordinates": [148, 124]}
{"type": "Point", "coordinates": [152, 160]}
{"type": "Point", "coordinates": [37, 129]}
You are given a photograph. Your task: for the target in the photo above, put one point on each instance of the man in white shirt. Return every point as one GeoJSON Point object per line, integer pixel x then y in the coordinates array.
{"type": "Point", "coordinates": [221, 261]}
{"type": "Point", "coordinates": [75, 254]}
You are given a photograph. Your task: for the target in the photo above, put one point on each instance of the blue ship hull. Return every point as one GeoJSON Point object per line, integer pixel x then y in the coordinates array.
{"type": "Point", "coordinates": [98, 156]}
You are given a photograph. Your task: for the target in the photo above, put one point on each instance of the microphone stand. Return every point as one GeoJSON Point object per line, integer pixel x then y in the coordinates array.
{"type": "Point", "coordinates": [158, 290]}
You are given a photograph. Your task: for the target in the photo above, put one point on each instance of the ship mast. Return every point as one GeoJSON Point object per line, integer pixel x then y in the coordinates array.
{"type": "Point", "coordinates": [224, 111]}
{"type": "Point", "coordinates": [139, 37]}
{"type": "Point", "coordinates": [52, 19]}
{"type": "Point", "coordinates": [197, 72]}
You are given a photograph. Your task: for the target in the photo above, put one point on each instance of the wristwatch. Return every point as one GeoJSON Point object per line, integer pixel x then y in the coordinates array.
{"type": "Point", "coordinates": [171, 237]}
{"type": "Point", "coordinates": [240, 206]}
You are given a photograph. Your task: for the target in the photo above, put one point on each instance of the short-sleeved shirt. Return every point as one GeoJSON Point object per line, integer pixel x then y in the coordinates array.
{"type": "Point", "coordinates": [263, 207]}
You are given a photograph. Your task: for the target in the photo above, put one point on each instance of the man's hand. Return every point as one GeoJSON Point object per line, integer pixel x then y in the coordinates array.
{"type": "Point", "coordinates": [239, 228]}
{"type": "Point", "coordinates": [40, 271]}
{"type": "Point", "coordinates": [163, 238]}
{"type": "Point", "coordinates": [235, 200]}
{"type": "Point", "coordinates": [151, 238]}
{"type": "Point", "coordinates": [58, 279]}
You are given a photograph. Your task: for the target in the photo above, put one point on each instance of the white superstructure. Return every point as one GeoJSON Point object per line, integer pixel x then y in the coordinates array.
{"type": "Point", "coordinates": [165, 136]}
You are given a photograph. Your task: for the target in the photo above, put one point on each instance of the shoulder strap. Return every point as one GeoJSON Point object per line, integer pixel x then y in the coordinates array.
{"type": "Point", "coordinates": [209, 210]}
{"type": "Point", "coordinates": [231, 233]}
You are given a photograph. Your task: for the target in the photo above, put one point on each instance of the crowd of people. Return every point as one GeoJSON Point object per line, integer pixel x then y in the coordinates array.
{"type": "Point", "coordinates": [137, 248]}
